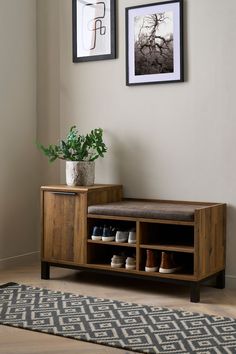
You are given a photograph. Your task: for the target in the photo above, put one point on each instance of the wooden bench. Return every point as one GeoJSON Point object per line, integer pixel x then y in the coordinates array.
{"type": "Point", "coordinates": [193, 231]}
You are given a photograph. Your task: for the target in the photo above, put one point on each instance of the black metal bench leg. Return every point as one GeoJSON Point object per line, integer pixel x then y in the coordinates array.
{"type": "Point", "coordinates": [220, 280]}
{"type": "Point", "coordinates": [195, 292]}
{"type": "Point", "coordinates": [45, 270]}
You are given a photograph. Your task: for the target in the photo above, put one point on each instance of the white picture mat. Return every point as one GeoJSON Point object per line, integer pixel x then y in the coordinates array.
{"type": "Point", "coordinates": [147, 10]}
{"type": "Point", "coordinates": [84, 36]}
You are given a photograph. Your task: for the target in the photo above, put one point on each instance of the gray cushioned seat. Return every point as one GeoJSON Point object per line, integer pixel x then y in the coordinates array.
{"type": "Point", "coordinates": [146, 209]}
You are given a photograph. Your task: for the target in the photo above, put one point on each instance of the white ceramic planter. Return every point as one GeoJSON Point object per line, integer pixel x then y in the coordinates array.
{"type": "Point", "coordinates": [80, 173]}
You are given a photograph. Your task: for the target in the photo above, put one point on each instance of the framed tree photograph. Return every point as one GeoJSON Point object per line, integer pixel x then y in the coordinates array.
{"type": "Point", "coordinates": [94, 30]}
{"type": "Point", "coordinates": [154, 43]}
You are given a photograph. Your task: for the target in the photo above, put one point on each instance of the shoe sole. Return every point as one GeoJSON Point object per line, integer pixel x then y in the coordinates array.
{"type": "Point", "coordinates": [122, 241]}
{"type": "Point", "coordinates": [131, 241]}
{"type": "Point", "coordinates": [168, 271]}
{"type": "Point", "coordinates": [110, 238]}
{"type": "Point", "coordinates": [96, 238]}
{"type": "Point", "coordinates": [117, 265]}
{"type": "Point", "coordinates": [130, 267]}
{"type": "Point", "coordinates": [151, 269]}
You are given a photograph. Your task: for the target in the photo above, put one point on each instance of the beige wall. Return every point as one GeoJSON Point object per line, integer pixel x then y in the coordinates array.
{"type": "Point", "coordinates": [19, 202]}
{"type": "Point", "coordinates": [173, 141]}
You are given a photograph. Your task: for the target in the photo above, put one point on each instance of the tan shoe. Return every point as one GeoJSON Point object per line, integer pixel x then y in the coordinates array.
{"type": "Point", "coordinates": [151, 262]}
{"type": "Point", "coordinates": [167, 263]}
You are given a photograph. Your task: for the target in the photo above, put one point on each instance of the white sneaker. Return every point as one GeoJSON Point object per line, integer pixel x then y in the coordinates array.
{"type": "Point", "coordinates": [117, 261]}
{"type": "Point", "coordinates": [130, 263]}
{"type": "Point", "coordinates": [132, 237]}
{"type": "Point", "coordinates": [122, 236]}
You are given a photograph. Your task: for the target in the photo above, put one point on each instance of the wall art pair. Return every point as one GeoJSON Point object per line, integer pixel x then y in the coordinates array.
{"type": "Point", "coordinates": [154, 38]}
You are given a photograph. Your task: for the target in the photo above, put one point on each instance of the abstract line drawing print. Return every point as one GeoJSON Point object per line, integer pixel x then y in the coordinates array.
{"type": "Point", "coordinates": [93, 14]}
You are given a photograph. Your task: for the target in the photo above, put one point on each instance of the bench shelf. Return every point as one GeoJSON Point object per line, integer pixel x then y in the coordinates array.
{"type": "Point", "coordinates": [112, 243]}
{"type": "Point", "coordinates": [194, 232]}
{"type": "Point", "coordinates": [173, 248]}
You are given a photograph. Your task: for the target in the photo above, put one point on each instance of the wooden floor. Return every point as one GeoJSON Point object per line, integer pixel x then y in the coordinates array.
{"type": "Point", "coordinates": [18, 341]}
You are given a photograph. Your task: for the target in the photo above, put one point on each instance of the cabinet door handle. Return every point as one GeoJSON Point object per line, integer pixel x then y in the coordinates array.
{"type": "Point", "coordinates": [64, 193]}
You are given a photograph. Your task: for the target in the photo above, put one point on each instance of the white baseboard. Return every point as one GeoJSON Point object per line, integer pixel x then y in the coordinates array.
{"type": "Point", "coordinates": [230, 281]}
{"type": "Point", "coordinates": [21, 259]}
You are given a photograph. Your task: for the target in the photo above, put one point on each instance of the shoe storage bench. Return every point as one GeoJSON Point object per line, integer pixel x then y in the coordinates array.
{"type": "Point", "coordinates": [194, 232]}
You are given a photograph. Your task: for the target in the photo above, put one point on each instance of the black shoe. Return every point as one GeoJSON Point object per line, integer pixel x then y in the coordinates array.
{"type": "Point", "coordinates": [97, 233]}
{"type": "Point", "coordinates": [109, 233]}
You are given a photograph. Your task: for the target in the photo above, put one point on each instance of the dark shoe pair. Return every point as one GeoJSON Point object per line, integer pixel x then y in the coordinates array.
{"type": "Point", "coordinates": [110, 233]}
{"type": "Point", "coordinates": [105, 233]}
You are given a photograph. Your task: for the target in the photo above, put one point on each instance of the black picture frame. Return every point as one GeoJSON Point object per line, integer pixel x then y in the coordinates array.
{"type": "Point", "coordinates": [154, 43]}
{"type": "Point", "coordinates": [93, 30]}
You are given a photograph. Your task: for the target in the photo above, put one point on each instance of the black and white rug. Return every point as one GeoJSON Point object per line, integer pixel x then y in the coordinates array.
{"type": "Point", "coordinates": [139, 328]}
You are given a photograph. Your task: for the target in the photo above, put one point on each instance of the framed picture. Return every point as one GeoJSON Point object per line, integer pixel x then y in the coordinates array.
{"type": "Point", "coordinates": [154, 43]}
{"type": "Point", "coordinates": [94, 30]}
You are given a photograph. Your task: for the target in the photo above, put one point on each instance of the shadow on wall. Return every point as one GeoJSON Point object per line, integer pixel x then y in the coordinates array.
{"type": "Point", "coordinates": [19, 205]}
{"type": "Point", "coordinates": [230, 242]}
{"type": "Point", "coordinates": [130, 164]}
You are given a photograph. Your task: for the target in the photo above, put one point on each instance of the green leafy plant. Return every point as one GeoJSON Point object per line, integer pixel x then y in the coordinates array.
{"type": "Point", "coordinates": [77, 147]}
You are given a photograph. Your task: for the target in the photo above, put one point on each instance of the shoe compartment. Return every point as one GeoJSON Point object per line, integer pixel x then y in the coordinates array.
{"type": "Point", "coordinates": [182, 261]}
{"type": "Point", "coordinates": [101, 254]}
{"type": "Point", "coordinates": [177, 240]}
{"type": "Point", "coordinates": [169, 235]}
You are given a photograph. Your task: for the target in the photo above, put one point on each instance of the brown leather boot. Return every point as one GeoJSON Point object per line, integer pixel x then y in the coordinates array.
{"type": "Point", "coordinates": [167, 263]}
{"type": "Point", "coordinates": [151, 262]}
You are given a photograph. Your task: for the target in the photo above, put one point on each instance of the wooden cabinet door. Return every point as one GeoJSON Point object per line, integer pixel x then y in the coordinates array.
{"type": "Point", "coordinates": [62, 227]}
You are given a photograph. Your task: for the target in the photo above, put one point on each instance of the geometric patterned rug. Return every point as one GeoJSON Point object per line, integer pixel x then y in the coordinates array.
{"type": "Point", "coordinates": [138, 328]}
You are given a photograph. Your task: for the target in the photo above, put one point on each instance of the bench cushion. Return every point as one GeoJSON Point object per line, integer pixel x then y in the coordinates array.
{"type": "Point", "coordinates": [146, 209]}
